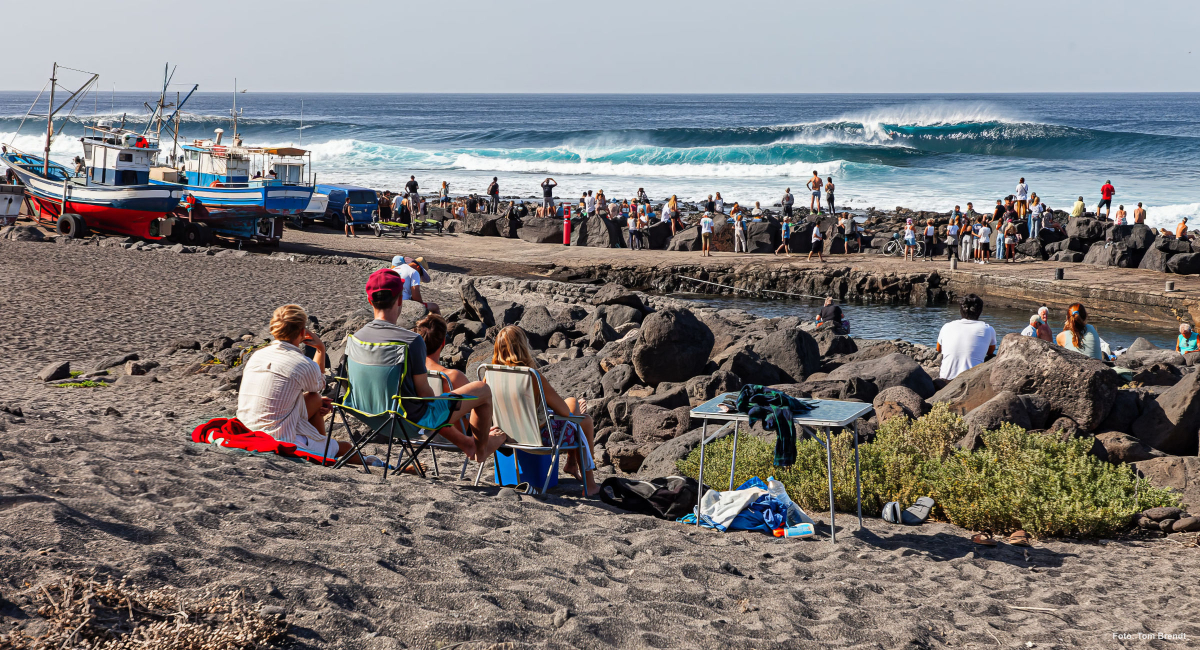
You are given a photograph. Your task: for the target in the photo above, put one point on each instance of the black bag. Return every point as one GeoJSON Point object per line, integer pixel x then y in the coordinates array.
{"type": "Point", "coordinates": [669, 497]}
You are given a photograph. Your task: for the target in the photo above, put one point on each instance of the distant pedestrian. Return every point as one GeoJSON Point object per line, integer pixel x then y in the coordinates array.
{"type": "Point", "coordinates": [1010, 240]}
{"type": "Point", "coordinates": [1031, 330]}
{"type": "Point", "coordinates": [673, 215]}
{"type": "Point", "coordinates": [1079, 209]}
{"type": "Point", "coordinates": [787, 202]}
{"type": "Point", "coordinates": [757, 211]}
{"type": "Point", "coordinates": [1078, 336]}
{"type": "Point", "coordinates": [910, 242]}
{"type": "Point", "coordinates": [829, 194]}
{"type": "Point", "coordinates": [412, 190]}
{"type": "Point", "coordinates": [706, 231]}
{"type": "Point", "coordinates": [739, 230]}
{"type": "Point", "coordinates": [930, 239]}
{"type": "Point", "coordinates": [818, 243]}
{"type": "Point", "coordinates": [444, 194]}
{"type": "Point", "coordinates": [348, 219]}
{"type": "Point", "coordinates": [952, 235]}
{"type": "Point", "coordinates": [983, 242]}
{"type": "Point", "coordinates": [785, 236]}
{"type": "Point", "coordinates": [967, 342]}
{"type": "Point", "coordinates": [1106, 195]}
{"type": "Point", "coordinates": [1186, 341]}
{"type": "Point", "coordinates": [548, 186]}
{"type": "Point", "coordinates": [642, 197]}
{"type": "Point", "coordinates": [1022, 202]}
{"type": "Point", "coordinates": [710, 206]}
{"type": "Point", "coordinates": [841, 233]}
{"type": "Point", "coordinates": [589, 204]}
{"type": "Point", "coordinates": [814, 186]}
{"type": "Point", "coordinates": [632, 223]}
{"type": "Point", "coordinates": [1034, 224]}
{"type": "Point", "coordinates": [1120, 218]}
{"type": "Point", "coordinates": [719, 204]}
{"type": "Point", "coordinates": [493, 191]}
{"type": "Point", "coordinates": [1044, 333]}
{"type": "Point", "coordinates": [1139, 214]}
{"type": "Point", "coordinates": [1181, 231]}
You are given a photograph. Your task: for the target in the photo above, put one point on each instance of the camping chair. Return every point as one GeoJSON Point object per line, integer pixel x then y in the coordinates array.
{"type": "Point", "coordinates": [439, 383]}
{"type": "Point", "coordinates": [519, 409]}
{"type": "Point", "coordinates": [372, 374]}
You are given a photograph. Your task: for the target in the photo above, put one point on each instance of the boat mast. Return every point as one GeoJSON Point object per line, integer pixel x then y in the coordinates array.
{"type": "Point", "coordinates": [49, 122]}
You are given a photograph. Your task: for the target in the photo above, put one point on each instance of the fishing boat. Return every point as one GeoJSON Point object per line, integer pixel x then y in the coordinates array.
{"type": "Point", "coordinates": [112, 194]}
{"type": "Point", "coordinates": [234, 190]}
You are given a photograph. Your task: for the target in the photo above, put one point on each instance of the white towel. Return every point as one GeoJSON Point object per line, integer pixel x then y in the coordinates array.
{"type": "Point", "coordinates": [722, 507]}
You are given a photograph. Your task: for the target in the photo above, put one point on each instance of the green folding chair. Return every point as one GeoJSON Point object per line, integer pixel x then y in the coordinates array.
{"type": "Point", "coordinates": [519, 409]}
{"type": "Point", "coordinates": [372, 375]}
{"type": "Point", "coordinates": [440, 383]}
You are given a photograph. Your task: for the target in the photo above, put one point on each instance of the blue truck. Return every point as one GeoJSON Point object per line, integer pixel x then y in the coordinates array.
{"type": "Point", "coordinates": [364, 204]}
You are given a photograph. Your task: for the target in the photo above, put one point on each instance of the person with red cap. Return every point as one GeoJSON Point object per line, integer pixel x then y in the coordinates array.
{"type": "Point", "coordinates": [385, 291]}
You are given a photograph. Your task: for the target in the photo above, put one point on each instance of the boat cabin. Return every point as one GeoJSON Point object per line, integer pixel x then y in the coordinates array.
{"type": "Point", "coordinates": [209, 163]}
{"type": "Point", "coordinates": [116, 156]}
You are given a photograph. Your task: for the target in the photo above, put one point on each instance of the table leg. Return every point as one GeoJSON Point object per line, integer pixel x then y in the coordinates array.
{"type": "Point", "coordinates": [733, 463]}
{"type": "Point", "coordinates": [857, 477]}
{"type": "Point", "coordinates": [829, 474]}
{"type": "Point", "coordinates": [700, 480]}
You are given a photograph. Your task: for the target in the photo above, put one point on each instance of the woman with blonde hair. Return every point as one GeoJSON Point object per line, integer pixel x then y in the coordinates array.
{"type": "Point", "coordinates": [1078, 336]}
{"type": "Point", "coordinates": [512, 349]}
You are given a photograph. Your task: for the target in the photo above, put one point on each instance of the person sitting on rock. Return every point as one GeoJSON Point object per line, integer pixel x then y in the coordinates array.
{"type": "Point", "coordinates": [1181, 231]}
{"type": "Point", "coordinates": [968, 342]}
{"type": "Point", "coordinates": [1078, 336]}
{"type": "Point", "coordinates": [512, 349]}
{"type": "Point", "coordinates": [1186, 341]}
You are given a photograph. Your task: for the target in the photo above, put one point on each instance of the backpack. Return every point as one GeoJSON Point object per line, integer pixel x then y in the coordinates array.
{"type": "Point", "coordinates": [669, 497]}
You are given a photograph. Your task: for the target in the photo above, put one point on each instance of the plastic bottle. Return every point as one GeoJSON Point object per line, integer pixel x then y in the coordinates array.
{"type": "Point", "coordinates": [776, 490]}
{"type": "Point", "coordinates": [802, 530]}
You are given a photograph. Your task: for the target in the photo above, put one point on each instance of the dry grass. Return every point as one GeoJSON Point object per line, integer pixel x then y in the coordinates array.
{"type": "Point", "coordinates": [84, 613]}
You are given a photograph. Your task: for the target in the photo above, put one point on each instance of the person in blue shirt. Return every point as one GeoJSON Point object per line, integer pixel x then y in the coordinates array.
{"type": "Point", "coordinates": [1186, 342]}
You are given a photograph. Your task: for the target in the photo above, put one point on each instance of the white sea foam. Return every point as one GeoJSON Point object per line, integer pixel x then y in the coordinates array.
{"type": "Point", "coordinates": [605, 168]}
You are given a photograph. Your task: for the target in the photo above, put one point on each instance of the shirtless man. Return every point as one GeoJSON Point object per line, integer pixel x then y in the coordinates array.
{"type": "Point", "coordinates": [814, 186]}
{"type": "Point", "coordinates": [1139, 214]}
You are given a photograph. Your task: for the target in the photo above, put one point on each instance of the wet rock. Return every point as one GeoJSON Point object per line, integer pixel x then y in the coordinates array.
{"type": "Point", "coordinates": [1076, 386]}
{"type": "Point", "coordinates": [671, 345]}
{"type": "Point", "coordinates": [892, 370]}
{"type": "Point", "coordinates": [54, 371]}
{"type": "Point", "coordinates": [1124, 448]}
{"type": "Point", "coordinates": [1171, 422]}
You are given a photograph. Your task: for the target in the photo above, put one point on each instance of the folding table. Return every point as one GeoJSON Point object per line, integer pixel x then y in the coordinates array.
{"type": "Point", "coordinates": [825, 415]}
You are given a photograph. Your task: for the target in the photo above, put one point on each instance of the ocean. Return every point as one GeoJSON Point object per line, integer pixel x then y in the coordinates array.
{"type": "Point", "coordinates": [883, 151]}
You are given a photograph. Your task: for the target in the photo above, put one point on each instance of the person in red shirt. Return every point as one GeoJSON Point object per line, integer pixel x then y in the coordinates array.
{"type": "Point", "coordinates": [1106, 194]}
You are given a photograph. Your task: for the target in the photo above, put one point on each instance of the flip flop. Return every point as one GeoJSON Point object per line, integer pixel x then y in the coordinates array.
{"type": "Point", "coordinates": [983, 539]}
{"type": "Point", "coordinates": [917, 513]}
{"type": "Point", "coordinates": [1019, 538]}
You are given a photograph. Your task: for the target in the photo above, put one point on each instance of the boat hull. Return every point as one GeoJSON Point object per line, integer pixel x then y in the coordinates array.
{"type": "Point", "coordinates": [240, 211]}
{"type": "Point", "coordinates": [123, 210]}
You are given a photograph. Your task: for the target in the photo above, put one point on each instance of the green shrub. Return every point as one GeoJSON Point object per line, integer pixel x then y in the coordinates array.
{"type": "Point", "coordinates": [1019, 480]}
{"type": "Point", "coordinates": [87, 383]}
{"type": "Point", "coordinates": [76, 373]}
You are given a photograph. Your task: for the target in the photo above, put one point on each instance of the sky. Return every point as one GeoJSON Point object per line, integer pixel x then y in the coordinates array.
{"type": "Point", "coordinates": [620, 46]}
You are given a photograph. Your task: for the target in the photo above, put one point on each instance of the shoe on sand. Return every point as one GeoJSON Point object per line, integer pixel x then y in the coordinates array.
{"type": "Point", "coordinates": [983, 539]}
{"type": "Point", "coordinates": [891, 512]}
{"type": "Point", "coordinates": [917, 513]}
{"type": "Point", "coordinates": [1019, 538]}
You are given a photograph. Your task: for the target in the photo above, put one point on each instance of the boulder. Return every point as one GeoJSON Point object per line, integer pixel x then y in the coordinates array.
{"type": "Point", "coordinates": [1109, 254]}
{"type": "Point", "coordinates": [1032, 248]}
{"type": "Point", "coordinates": [910, 403]}
{"type": "Point", "coordinates": [1137, 237]}
{"type": "Point", "coordinates": [829, 343]}
{"type": "Point", "coordinates": [1126, 408]}
{"type": "Point", "coordinates": [672, 345]}
{"type": "Point", "coordinates": [1067, 256]}
{"type": "Point", "coordinates": [508, 226]}
{"type": "Point", "coordinates": [654, 424]}
{"type": "Point", "coordinates": [576, 377]}
{"type": "Point", "coordinates": [748, 366]}
{"type": "Point", "coordinates": [1184, 264]}
{"type": "Point", "coordinates": [626, 455]}
{"type": "Point", "coordinates": [54, 371]}
{"type": "Point", "coordinates": [793, 351]}
{"type": "Point", "coordinates": [600, 334]}
{"type": "Point", "coordinates": [615, 294]}
{"type": "Point", "coordinates": [114, 361]}
{"type": "Point", "coordinates": [1141, 344]}
{"type": "Point", "coordinates": [1171, 422]}
{"type": "Point", "coordinates": [657, 236]}
{"type": "Point", "coordinates": [597, 231]}
{"type": "Point", "coordinates": [1076, 386]}
{"type": "Point", "coordinates": [411, 311]}
{"type": "Point", "coordinates": [1145, 358]}
{"type": "Point", "coordinates": [763, 236]}
{"type": "Point", "coordinates": [1074, 244]}
{"type": "Point", "coordinates": [22, 233]}
{"type": "Point", "coordinates": [475, 306]}
{"type": "Point", "coordinates": [614, 353]}
{"type": "Point", "coordinates": [541, 231]}
{"type": "Point", "coordinates": [539, 326]}
{"type": "Point", "coordinates": [618, 315]}
{"type": "Point", "coordinates": [892, 370]}
{"type": "Point", "coordinates": [1173, 246]}
{"type": "Point", "coordinates": [968, 390]}
{"type": "Point", "coordinates": [481, 224]}
{"type": "Point", "coordinates": [1086, 229]}
{"type": "Point", "coordinates": [1181, 474]}
{"type": "Point", "coordinates": [1026, 411]}
{"type": "Point", "coordinates": [662, 461]}
{"type": "Point", "coordinates": [618, 379]}
{"type": "Point", "coordinates": [1159, 374]}
{"type": "Point", "coordinates": [1155, 259]}
{"type": "Point", "coordinates": [702, 388]}
{"type": "Point", "coordinates": [507, 312]}
{"type": "Point", "coordinates": [1124, 448]}
{"type": "Point", "coordinates": [687, 239]}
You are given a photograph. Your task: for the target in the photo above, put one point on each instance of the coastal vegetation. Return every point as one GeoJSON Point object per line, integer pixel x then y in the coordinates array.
{"type": "Point", "coordinates": [1020, 479]}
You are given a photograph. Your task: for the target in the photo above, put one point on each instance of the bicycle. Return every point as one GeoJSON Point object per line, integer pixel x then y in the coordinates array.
{"type": "Point", "coordinates": [895, 248]}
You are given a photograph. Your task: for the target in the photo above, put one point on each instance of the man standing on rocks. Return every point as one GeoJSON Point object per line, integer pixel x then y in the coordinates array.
{"type": "Point", "coordinates": [414, 197]}
{"type": "Point", "coordinates": [1022, 198]}
{"type": "Point", "coordinates": [706, 230]}
{"type": "Point", "coordinates": [967, 342]}
{"type": "Point", "coordinates": [548, 186]}
{"type": "Point", "coordinates": [814, 186]}
{"type": "Point", "coordinates": [788, 201]}
{"type": "Point", "coordinates": [494, 193]}
{"type": "Point", "coordinates": [1106, 194]}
